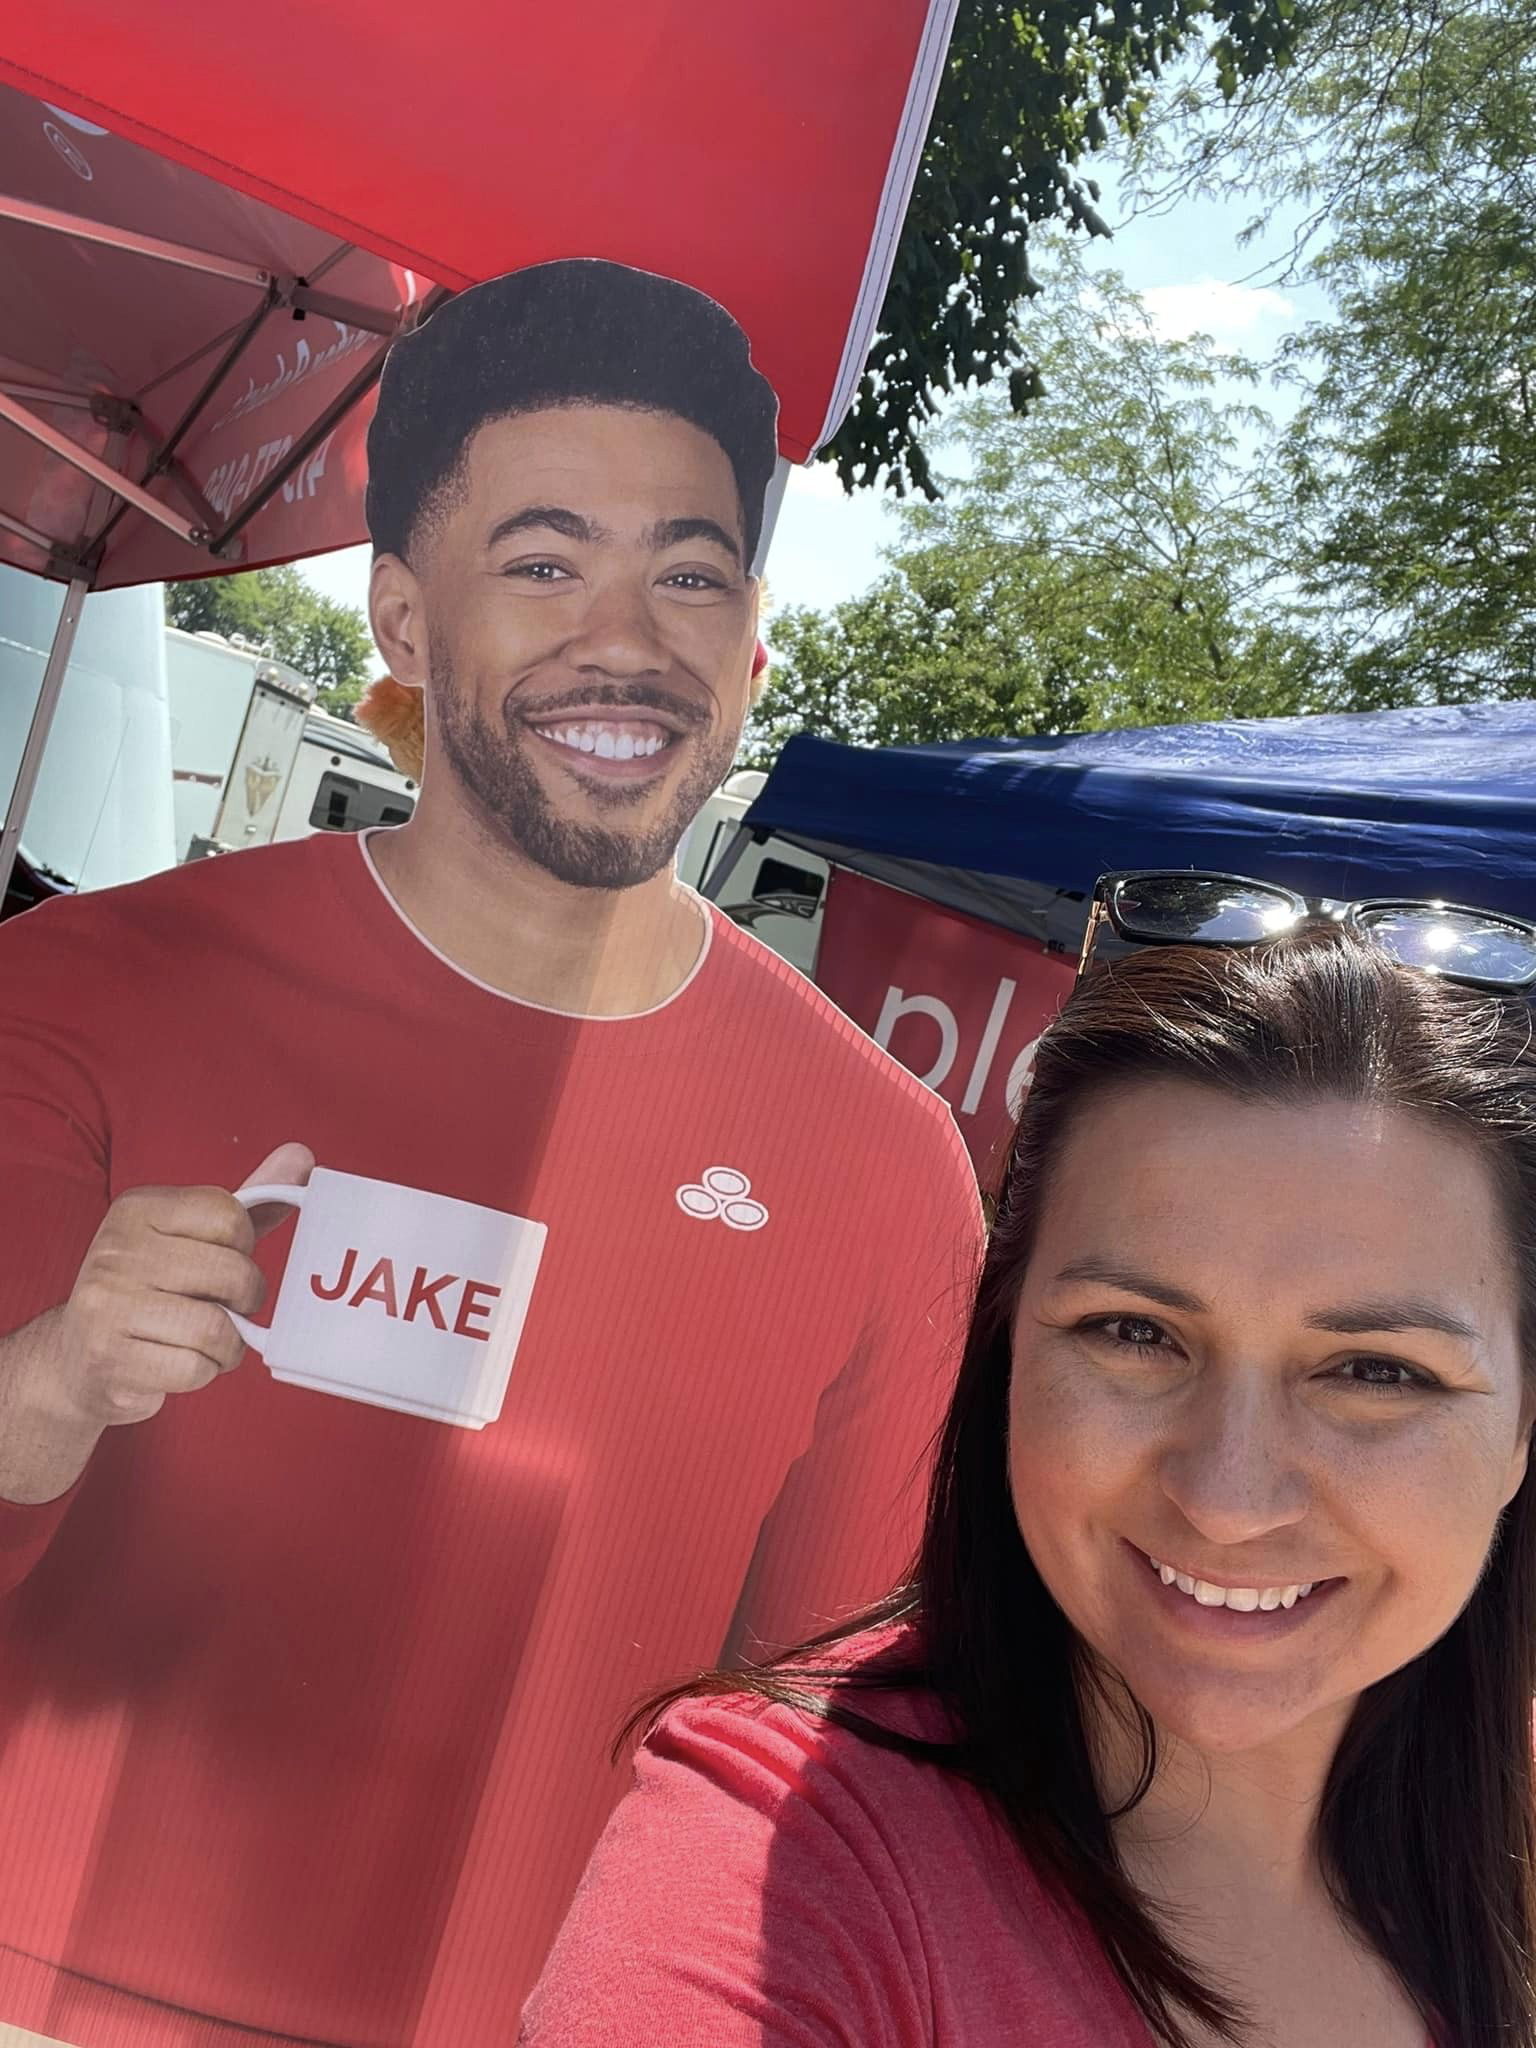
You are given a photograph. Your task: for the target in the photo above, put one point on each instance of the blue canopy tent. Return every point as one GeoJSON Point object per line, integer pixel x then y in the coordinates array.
{"type": "Point", "coordinates": [1430, 802]}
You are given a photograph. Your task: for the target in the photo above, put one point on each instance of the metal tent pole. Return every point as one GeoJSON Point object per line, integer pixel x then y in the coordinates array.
{"type": "Point", "coordinates": [773, 504]}
{"type": "Point", "coordinates": [42, 721]}
{"type": "Point", "coordinates": [713, 887]}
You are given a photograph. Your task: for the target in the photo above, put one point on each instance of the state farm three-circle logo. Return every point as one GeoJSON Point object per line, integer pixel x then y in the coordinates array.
{"type": "Point", "coordinates": [723, 1192]}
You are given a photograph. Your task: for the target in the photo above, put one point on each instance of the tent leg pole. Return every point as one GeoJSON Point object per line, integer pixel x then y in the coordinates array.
{"type": "Point", "coordinates": [773, 504]}
{"type": "Point", "coordinates": [42, 722]}
{"type": "Point", "coordinates": [713, 884]}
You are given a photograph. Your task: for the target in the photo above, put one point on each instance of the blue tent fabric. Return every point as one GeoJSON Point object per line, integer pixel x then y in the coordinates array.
{"type": "Point", "coordinates": [1436, 801]}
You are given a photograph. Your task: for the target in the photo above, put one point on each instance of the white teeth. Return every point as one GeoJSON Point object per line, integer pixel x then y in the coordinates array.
{"type": "Point", "coordinates": [602, 740]}
{"type": "Point", "coordinates": [1242, 1599]}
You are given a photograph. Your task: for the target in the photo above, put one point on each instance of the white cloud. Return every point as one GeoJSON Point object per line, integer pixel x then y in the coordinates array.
{"type": "Point", "coordinates": [819, 483]}
{"type": "Point", "coordinates": [1230, 314]}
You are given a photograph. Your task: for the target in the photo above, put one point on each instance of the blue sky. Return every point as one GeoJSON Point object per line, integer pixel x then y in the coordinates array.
{"type": "Point", "coordinates": [1191, 270]}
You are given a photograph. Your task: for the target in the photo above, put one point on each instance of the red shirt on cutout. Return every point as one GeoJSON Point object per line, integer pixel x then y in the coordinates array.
{"type": "Point", "coordinates": [306, 1706]}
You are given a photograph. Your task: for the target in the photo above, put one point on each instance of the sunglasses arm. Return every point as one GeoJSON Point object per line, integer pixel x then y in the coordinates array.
{"type": "Point", "coordinates": [1097, 916]}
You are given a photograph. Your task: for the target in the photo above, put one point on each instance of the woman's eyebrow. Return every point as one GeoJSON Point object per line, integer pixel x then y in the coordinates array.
{"type": "Point", "coordinates": [1110, 1274]}
{"type": "Point", "coordinates": [1353, 1319]}
{"type": "Point", "coordinates": [1359, 1319]}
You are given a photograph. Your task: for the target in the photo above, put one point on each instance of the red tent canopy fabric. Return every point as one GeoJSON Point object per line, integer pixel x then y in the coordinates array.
{"type": "Point", "coordinates": [316, 173]}
{"type": "Point", "coordinates": [115, 350]}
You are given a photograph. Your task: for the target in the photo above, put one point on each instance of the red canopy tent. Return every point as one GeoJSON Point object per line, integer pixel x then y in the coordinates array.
{"type": "Point", "coordinates": [212, 223]}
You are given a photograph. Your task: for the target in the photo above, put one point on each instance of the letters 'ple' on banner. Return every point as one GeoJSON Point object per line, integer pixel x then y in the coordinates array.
{"type": "Point", "coordinates": [959, 1002]}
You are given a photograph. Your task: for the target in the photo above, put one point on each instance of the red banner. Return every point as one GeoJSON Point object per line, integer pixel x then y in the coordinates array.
{"type": "Point", "coordinates": [960, 1003]}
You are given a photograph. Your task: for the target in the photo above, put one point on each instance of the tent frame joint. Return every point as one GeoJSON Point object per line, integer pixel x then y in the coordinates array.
{"type": "Point", "coordinates": [66, 564]}
{"type": "Point", "coordinates": [117, 415]}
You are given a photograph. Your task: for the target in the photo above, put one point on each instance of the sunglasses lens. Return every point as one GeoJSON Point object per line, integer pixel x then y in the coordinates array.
{"type": "Point", "coordinates": [1460, 943]}
{"type": "Point", "coordinates": [1202, 909]}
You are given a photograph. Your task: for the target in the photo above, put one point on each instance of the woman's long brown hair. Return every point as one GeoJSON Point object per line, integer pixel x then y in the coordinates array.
{"type": "Point", "coordinates": [1427, 1832]}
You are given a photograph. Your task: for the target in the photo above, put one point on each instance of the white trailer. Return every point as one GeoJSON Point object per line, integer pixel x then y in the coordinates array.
{"type": "Point", "coordinates": [100, 811]}
{"type": "Point", "coordinates": [237, 723]}
{"type": "Point", "coordinates": [342, 781]}
{"type": "Point", "coordinates": [770, 889]}
{"type": "Point", "coordinates": [169, 745]}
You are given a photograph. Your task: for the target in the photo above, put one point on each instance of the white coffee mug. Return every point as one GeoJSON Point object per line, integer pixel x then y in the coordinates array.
{"type": "Point", "coordinates": [397, 1297]}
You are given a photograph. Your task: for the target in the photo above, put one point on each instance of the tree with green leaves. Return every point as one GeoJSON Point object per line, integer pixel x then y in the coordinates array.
{"type": "Point", "coordinates": [1304, 141]}
{"type": "Point", "coordinates": [1414, 451]}
{"type": "Point", "coordinates": [1029, 91]}
{"type": "Point", "coordinates": [1400, 149]}
{"type": "Point", "coordinates": [278, 614]}
{"type": "Point", "coordinates": [1119, 556]}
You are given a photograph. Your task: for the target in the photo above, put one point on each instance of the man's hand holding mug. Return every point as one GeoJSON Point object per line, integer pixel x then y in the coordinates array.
{"type": "Point", "coordinates": [145, 1318]}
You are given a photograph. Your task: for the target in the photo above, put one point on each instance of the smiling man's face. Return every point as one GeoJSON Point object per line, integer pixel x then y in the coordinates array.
{"type": "Point", "coordinates": [581, 606]}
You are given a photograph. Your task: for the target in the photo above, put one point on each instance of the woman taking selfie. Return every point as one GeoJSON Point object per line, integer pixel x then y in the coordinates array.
{"type": "Point", "coordinates": [1206, 1716]}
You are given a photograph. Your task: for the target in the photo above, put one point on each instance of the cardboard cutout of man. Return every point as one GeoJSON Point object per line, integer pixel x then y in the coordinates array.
{"type": "Point", "coordinates": [611, 1336]}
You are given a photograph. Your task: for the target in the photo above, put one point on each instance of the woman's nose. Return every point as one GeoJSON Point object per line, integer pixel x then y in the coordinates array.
{"type": "Point", "coordinates": [1235, 1467]}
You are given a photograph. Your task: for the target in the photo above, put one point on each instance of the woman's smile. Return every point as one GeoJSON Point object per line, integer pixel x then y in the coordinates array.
{"type": "Point", "coordinates": [1259, 1612]}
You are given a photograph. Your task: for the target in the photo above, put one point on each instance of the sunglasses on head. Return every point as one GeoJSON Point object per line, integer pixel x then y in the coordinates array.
{"type": "Point", "coordinates": [1184, 907]}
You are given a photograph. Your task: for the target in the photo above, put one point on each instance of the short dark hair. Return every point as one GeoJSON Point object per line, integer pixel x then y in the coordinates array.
{"type": "Point", "coordinates": [579, 332]}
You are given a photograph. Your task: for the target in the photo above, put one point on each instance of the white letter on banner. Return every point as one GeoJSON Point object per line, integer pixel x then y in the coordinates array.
{"type": "Point", "coordinates": [989, 1038]}
{"type": "Point", "coordinates": [897, 1005]}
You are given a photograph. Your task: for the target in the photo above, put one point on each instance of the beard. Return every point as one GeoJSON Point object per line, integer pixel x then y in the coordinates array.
{"type": "Point", "coordinates": [492, 761]}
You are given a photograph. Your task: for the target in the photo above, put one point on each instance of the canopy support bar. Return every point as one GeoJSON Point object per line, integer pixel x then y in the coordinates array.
{"type": "Point", "coordinates": [20, 528]}
{"type": "Point", "coordinates": [136, 245]}
{"type": "Point", "coordinates": [345, 312]}
{"type": "Point", "coordinates": [44, 394]}
{"type": "Point", "coordinates": [100, 472]}
{"type": "Point", "coordinates": [42, 722]}
{"type": "Point", "coordinates": [297, 292]}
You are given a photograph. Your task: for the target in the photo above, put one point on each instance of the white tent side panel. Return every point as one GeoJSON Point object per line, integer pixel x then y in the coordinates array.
{"type": "Point", "coordinates": [102, 810]}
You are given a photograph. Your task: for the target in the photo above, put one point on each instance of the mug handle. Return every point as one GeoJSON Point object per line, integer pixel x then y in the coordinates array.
{"type": "Point", "coordinates": [291, 1197]}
